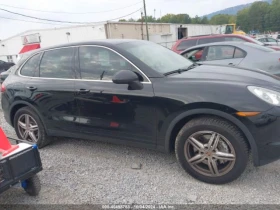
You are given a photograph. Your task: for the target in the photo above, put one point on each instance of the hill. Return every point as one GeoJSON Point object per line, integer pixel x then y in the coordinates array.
{"type": "Point", "coordinates": [232, 10]}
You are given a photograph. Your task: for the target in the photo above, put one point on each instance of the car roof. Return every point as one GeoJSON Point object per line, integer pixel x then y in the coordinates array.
{"type": "Point", "coordinates": [234, 43]}
{"type": "Point", "coordinates": [211, 36]}
{"type": "Point", "coordinates": [104, 42]}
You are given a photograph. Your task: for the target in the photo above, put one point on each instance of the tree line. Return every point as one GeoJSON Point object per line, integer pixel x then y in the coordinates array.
{"type": "Point", "coordinates": [260, 16]}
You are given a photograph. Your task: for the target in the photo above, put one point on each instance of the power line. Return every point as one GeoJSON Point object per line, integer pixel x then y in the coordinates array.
{"type": "Point", "coordinates": [60, 21]}
{"type": "Point", "coordinates": [73, 13]}
{"type": "Point", "coordinates": [31, 21]}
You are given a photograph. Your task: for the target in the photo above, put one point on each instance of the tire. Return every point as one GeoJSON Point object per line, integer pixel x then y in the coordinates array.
{"type": "Point", "coordinates": [33, 186]}
{"type": "Point", "coordinates": [42, 139]}
{"type": "Point", "coordinates": [200, 158]}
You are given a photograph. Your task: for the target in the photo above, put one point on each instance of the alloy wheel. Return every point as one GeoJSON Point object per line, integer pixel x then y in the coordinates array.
{"type": "Point", "coordinates": [209, 153]}
{"type": "Point", "coordinates": [28, 128]}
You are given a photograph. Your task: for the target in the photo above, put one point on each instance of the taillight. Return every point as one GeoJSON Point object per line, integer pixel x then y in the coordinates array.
{"type": "Point", "coordinates": [3, 88]}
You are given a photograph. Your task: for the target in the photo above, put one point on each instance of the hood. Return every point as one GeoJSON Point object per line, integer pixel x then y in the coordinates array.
{"type": "Point", "coordinates": [226, 74]}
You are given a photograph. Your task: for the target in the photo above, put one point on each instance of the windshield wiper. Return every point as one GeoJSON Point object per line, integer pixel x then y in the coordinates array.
{"type": "Point", "coordinates": [179, 71]}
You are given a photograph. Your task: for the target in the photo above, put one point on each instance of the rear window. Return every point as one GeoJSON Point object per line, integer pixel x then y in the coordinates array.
{"type": "Point", "coordinates": [211, 40]}
{"type": "Point", "coordinates": [30, 68]}
{"type": "Point", "coordinates": [259, 47]}
{"type": "Point", "coordinates": [186, 44]}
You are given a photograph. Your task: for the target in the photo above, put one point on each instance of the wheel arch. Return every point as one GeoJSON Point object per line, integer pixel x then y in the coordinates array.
{"type": "Point", "coordinates": [180, 120]}
{"type": "Point", "coordinates": [20, 104]}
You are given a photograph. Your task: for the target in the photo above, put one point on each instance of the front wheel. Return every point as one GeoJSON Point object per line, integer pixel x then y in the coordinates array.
{"type": "Point", "coordinates": [212, 150]}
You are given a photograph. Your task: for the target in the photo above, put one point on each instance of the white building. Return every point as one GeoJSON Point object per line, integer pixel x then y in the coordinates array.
{"type": "Point", "coordinates": [163, 33]}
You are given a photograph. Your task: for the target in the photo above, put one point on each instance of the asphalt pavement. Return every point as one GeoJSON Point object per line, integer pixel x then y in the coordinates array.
{"type": "Point", "coordinates": [81, 171]}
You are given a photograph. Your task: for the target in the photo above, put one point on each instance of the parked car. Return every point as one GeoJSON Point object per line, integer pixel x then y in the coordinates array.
{"type": "Point", "coordinates": [243, 54]}
{"type": "Point", "coordinates": [186, 43]}
{"type": "Point", "coordinates": [118, 91]}
{"type": "Point", "coordinates": [5, 65]}
{"type": "Point", "coordinates": [269, 41]}
{"type": "Point", "coordinates": [276, 36]}
{"type": "Point", "coordinates": [5, 74]}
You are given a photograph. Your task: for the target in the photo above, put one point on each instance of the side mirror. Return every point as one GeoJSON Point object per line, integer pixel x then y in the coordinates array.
{"type": "Point", "coordinates": [128, 77]}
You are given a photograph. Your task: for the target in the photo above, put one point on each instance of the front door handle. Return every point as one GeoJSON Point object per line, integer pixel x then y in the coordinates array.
{"type": "Point", "coordinates": [231, 64]}
{"type": "Point", "coordinates": [31, 88]}
{"type": "Point", "coordinates": [84, 91]}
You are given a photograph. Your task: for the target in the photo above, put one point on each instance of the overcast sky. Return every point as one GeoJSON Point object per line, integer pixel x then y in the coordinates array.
{"type": "Point", "coordinates": [98, 10]}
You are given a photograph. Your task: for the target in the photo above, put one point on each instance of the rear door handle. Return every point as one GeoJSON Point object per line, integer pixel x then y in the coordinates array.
{"type": "Point", "coordinates": [31, 88]}
{"type": "Point", "coordinates": [231, 64]}
{"type": "Point", "coordinates": [84, 91]}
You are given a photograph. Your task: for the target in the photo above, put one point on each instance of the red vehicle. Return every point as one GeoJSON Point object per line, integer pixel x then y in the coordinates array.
{"type": "Point", "coordinates": [186, 43]}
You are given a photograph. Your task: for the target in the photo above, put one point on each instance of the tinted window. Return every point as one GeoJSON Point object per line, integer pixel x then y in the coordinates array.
{"type": "Point", "coordinates": [186, 44]}
{"type": "Point", "coordinates": [211, 40]}
{"type": "Point", "coordinates": [30, 68]}
{"type": "Point", "coordinates": [58, 64]}
{"type": "Point", "coordinates": [235, 39]}
{"type": "Point", "coordinates": [220, 52]}
{"type": "Point", "coordinates": [97, 63]}
{"type": "Point", "coordinates": [239, 53]}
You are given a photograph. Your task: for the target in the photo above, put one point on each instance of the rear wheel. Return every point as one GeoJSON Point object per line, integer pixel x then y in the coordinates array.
{"type": "Point", "coordinates": [28, 126]}
{"type": "Point", "coordinates": [212, 150]}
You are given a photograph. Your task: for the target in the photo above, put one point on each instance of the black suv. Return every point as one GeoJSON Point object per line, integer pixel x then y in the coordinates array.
{"type": "Point", "coordinates": [142, 94]}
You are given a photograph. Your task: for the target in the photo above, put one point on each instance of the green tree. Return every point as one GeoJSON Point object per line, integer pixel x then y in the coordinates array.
{"type": "Point", "coordinates": [256, 15]}
{"type": "Point", "coordinates": [131, 20]}
{"type": "Point", "coordinates": [273, 19]}
{"type": "Point", "coordinates": [196, 20]}
{"type": "Point", "coordinates": [167, 18]}
{"type": "Point", "coordinates": [221, 19]}
{"type": "Point", "coordinates": [242, 19]}
{"type": "Point", "coordinates": [204, 20]}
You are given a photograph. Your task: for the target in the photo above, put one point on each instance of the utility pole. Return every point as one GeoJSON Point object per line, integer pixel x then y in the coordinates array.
{"type": "Point", "coordinates": [147, 30]}
{"type": "Point", "coordinates": [142, 32]}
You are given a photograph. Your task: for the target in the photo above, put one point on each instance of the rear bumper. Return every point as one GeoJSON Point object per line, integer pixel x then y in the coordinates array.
{"type": "Point", "coordinates": [265, 129]}
{"type": "Point", "coordinates": [5, 108]}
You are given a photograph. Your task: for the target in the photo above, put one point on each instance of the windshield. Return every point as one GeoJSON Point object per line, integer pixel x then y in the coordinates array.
{"type": "Point", "coordinates": [156, 56]}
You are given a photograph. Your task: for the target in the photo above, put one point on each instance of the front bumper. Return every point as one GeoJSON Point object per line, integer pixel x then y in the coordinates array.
{"type": "Point", "coordinates": [265, 129]}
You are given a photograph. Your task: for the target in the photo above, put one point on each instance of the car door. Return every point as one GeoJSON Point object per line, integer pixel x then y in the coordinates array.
{"type": "Point", "coordinates": [224, 55]}
{"type": "Point", "coordinates": [51, 90]}
{"type": "Point", "coordinates": [110, 111]}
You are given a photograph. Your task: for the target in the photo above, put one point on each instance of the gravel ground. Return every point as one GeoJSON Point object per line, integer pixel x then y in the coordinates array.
{"type": "Point", "coordinates": [79, 171]}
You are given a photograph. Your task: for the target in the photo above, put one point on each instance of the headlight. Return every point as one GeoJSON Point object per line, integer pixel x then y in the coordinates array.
{"type": "Point", "coordinates": [269, 96]}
